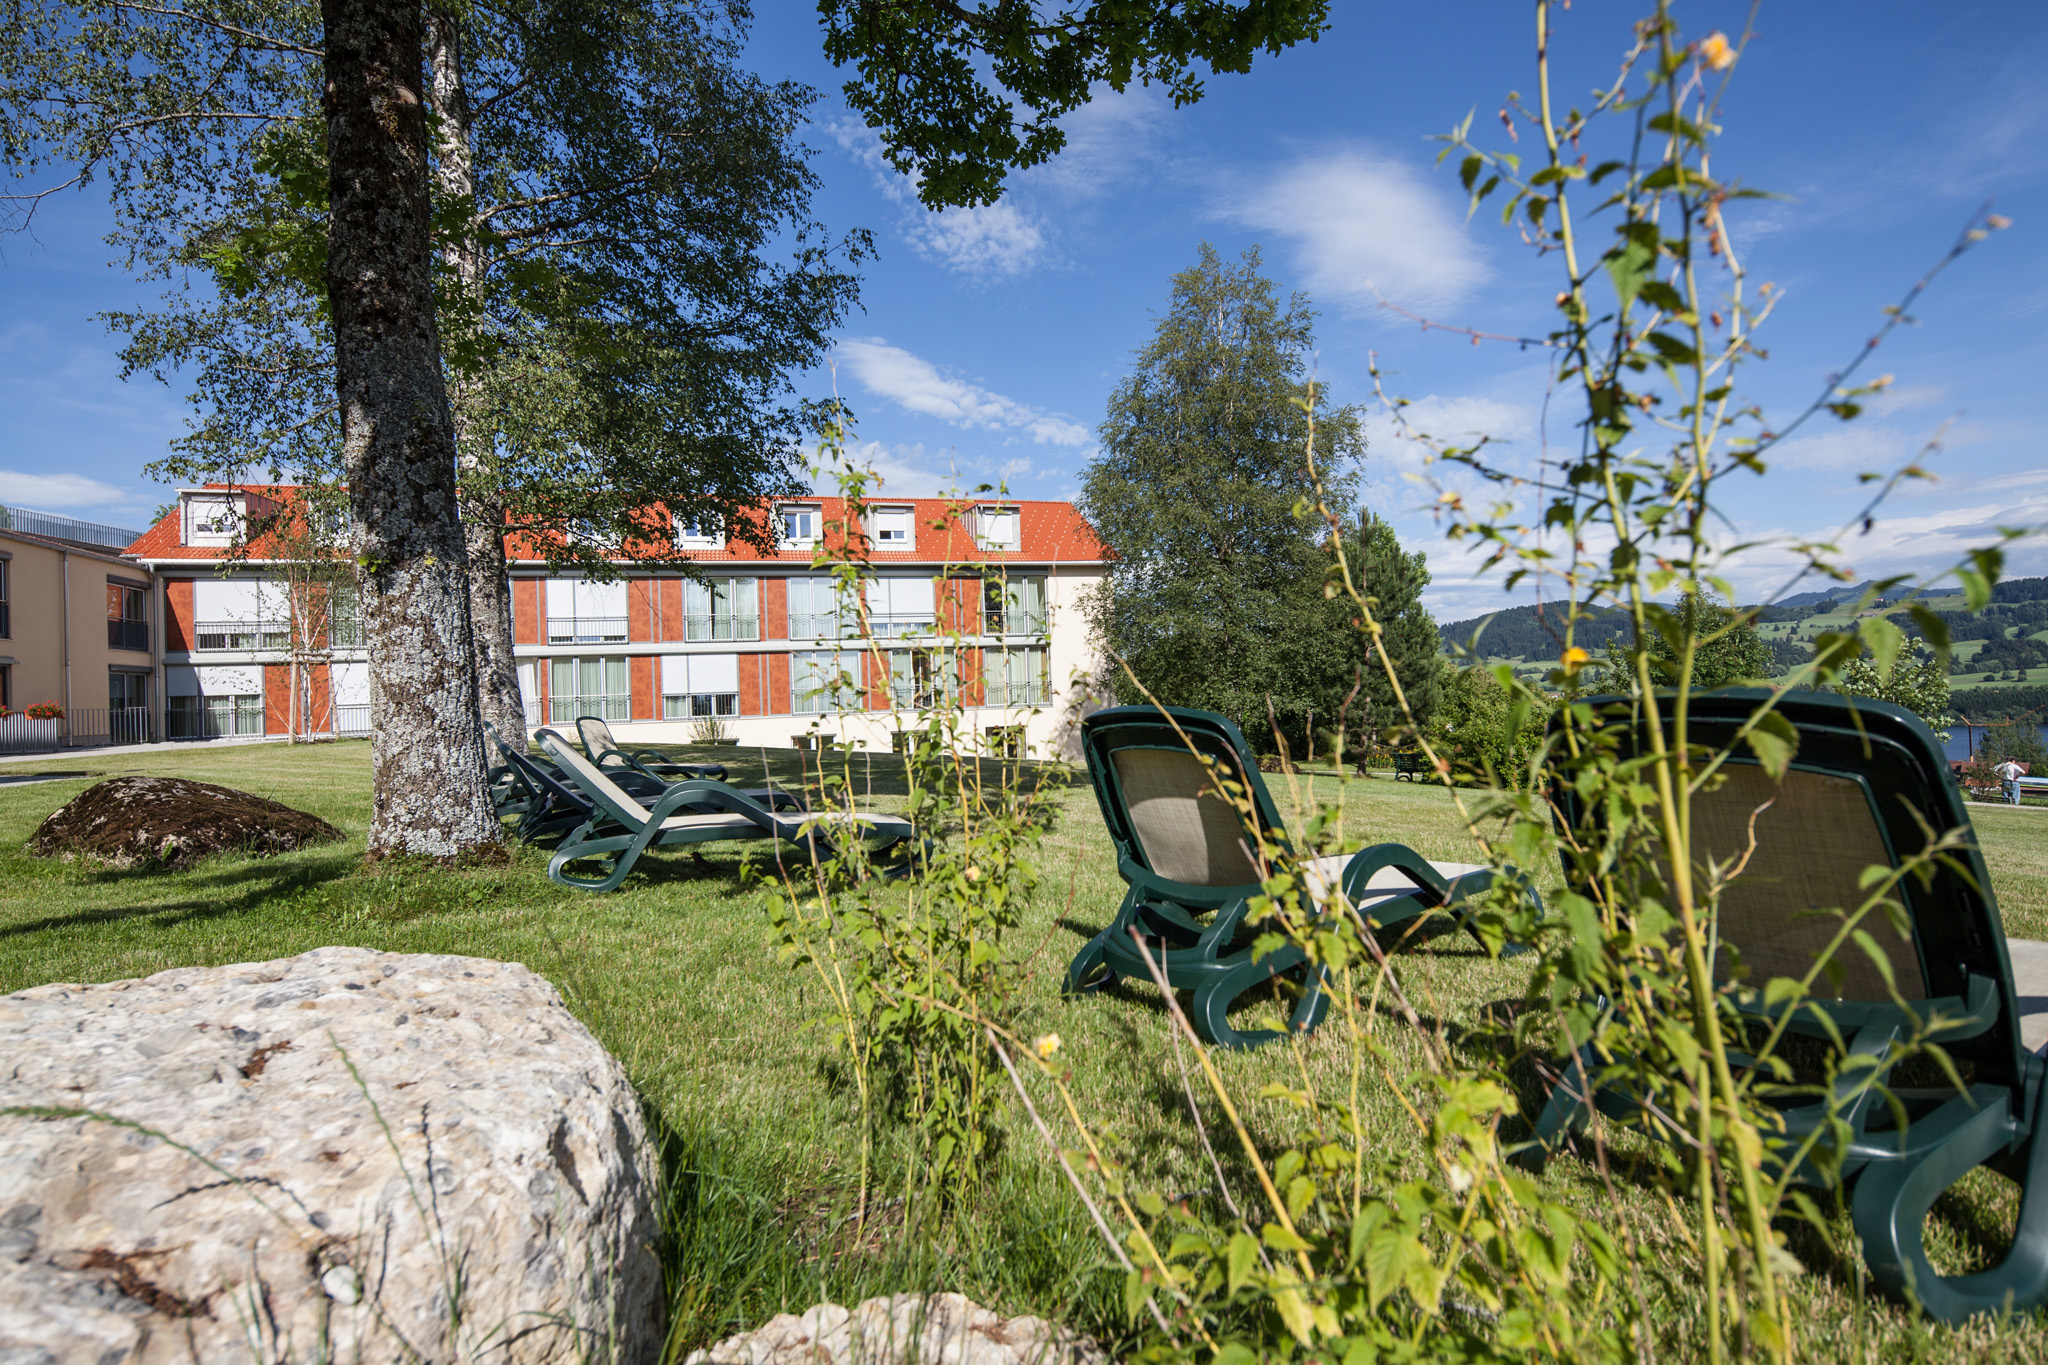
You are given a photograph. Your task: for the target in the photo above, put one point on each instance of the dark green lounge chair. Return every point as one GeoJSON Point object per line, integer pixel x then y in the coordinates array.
{"type": "Point", "coordinates": [619, 829]}
{"type": "Point", "coordinates": [600, 748]}
{"type": "Point", "coordinates": [1864, 775]}
{"type": "Point", "coordinates": [1183, 852]}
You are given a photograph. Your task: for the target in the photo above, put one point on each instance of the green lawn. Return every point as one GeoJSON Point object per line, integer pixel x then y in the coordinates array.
{"type": "Point", "coordinates": [676, 974]}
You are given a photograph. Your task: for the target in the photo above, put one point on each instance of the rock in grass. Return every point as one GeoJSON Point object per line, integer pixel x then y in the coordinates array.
{"type": "Point", "coordinates": [904, 1329]}
{"type": "Point", "coordinates": [172, 821]}
{"type": "Point", "coordinates": [199, 1175]}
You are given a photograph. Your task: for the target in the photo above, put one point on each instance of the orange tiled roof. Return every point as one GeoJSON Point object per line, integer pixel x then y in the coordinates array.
{"type": "Point", "coordinates": [1048, 533]}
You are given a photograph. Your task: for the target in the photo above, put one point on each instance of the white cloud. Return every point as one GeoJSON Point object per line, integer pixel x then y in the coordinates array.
{"type": "Point", "coordinates": [1364, 228]}
{"type": "Point", "coordinates": [913, 470]}
{"type": "Point", "coordinates": [1109, 140]}
{"type": "Point", "coordinates": [54, 492]}
{"type": "Point", "coordinates": [914, 383]}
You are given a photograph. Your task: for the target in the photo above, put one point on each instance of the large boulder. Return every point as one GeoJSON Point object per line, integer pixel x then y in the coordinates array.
{"type": "Point", "coordinates": [172, 821]}
{"type": "Point", "coordinates": [345, 1155]}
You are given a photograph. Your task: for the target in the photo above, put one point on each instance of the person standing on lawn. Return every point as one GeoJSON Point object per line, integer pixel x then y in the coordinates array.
{"type": "Point", "coordinates": [2010, 772]}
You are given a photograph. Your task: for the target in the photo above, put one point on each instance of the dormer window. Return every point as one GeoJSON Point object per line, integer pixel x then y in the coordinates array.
{"type": "Point", "coordinates": [997, 528]}
{"type": "Point", "coordinates": [893, 528]}
{"type": "Point", "coordinates": [210, 519]}
{"type": "Point", "coordinates": [702, 533]}
{"type": "Point", "coordinates": [799, 526]}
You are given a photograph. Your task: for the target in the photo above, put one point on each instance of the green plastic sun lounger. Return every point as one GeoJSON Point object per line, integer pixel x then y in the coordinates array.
{"type": "Point", "coordinates": [1185, 853]}
{"type": "Point", "coordinates": [694, 812]}
{"type": "Point", "coordinates": [600, 748]}
{"type": "Point", "coordinates": [1863, 778]}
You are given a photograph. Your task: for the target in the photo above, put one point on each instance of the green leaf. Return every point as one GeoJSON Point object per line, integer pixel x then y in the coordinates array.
{"type": "Point", "coordinates": [1774, 740]}
{"type": "Point", "coordinates": [1244, 1259]}
{"type": "Point", "coordinates": [1280, 1239]}
{"type": "Point", "coordinates": [1630, 261]}
{"type": "Point", "coordinates": [1884, 640]}
{"type": "Point", "coordinates": [1150, 1204]}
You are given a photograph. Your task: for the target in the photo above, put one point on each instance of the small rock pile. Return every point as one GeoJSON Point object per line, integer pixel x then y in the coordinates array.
{"type": "Point", "coordinates": [904, 1329]}
{"type": "Point", "coordinates": [172, 821]}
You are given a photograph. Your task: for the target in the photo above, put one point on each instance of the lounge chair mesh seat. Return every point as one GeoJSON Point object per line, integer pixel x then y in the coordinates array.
{"type": "Point", "coordinates": [1865, 773]}
{"type": "Point", "coordinates": [619, 829]}
{"type": "Point", "coordinates": [1184, 853]}
{"type": "Point", "coordinates": [603, 750]}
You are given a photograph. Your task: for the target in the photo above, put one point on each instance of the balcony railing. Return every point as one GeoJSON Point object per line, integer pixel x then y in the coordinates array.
{"type": "Point", "coordinates": [1015, 694]}
{"type": "Point", "coordinates": [721, 627]}
{"type": "Point", "coordinates": [209, 637]}
{"type": "Point", "coordinates": [898, 627]}
{"type": "Point", "coordinates": [352, 720]}
{"type": "Point", "coordinates": [827, 626]}
{"type": "Point", "coordinates": [1013, 623]}
{"type": "Point", "coordinates": [565, 710]}
{"type": "Point", "coordinates": [586, 630]}
{"type": "Point", "coordinates": [80, 728]}
{"type": "Point", "coordinates": [214, 721]}
{"type": "Point", "coordinates": [128, 635]}
{"type": "Point", "coordinates": [345, 634]}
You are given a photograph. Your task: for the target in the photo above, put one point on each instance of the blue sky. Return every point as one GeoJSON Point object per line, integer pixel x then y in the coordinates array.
{"type": "Point", "coordinates": [989, 341]}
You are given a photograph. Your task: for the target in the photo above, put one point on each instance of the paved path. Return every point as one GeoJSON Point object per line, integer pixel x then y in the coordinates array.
{"type": "Point", "coordinates": [93, 753]}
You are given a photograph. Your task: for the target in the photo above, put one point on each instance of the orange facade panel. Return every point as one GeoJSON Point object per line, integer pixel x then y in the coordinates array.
{"type": "Point", "coordinates": [178, 613]}
{"type": "Point", "coordinates": [640, 623]}
{"type": "Point", "coordinates": [776, 703]}
{"type": "Point", "coordinates": [669, 608]}
{"type": "Point", "coordinates": [526, 611]}
{"type": "Point", "coordinates": [775, 614]}
{"type": "Point", "coordinates": [646, 687]}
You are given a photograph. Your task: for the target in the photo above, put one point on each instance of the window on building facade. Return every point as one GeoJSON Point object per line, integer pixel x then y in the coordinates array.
{"type": "Point", "coordinates": [238, 615]}
{"type": "Point", "coordinates": [702, 533]}
{"type": "Point", "coordinates": [698, 685]}
{"type": "Point", "coordinates": [599, 687]}
{"type": "Point", "coordinates": [722, 609]}
{"type": "Point", "coordinates": [824, 681]}
{"type": "Point", "coordinates": [127, 706]}
{"type": "Point", "coordinates": [581, 612]}
{"type": "Point", "coordinates": [1014, 677]}
{"type": "Point", "coordinates": [920, 679]}
{"type": "Point", "coordinates": [997, 528]}
{"type": "Point", "coordinates": [901, 606]}
{"type": "Point", "coordinates": [127, 621]}
{"type": "Point", "coordinates": [893, 528]}
{"type": "Point", "coordinates": [6, 625]}
{"type": "Point", "coordinates": [214, 717]}
{"type": "Point", "coordinates": [208, 520]}
{"type": "Point", "coordinates": [800, 526]}
{"type": "Point", "coordinates": [1013, 606]}
{"type": "Point", "coordinates": [344, 615]}
{"type": "Point", "coordinates": [817, 611]}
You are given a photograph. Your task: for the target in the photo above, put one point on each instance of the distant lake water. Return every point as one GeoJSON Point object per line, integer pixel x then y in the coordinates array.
{"type": "Point", "coordinates": [1964, 739]}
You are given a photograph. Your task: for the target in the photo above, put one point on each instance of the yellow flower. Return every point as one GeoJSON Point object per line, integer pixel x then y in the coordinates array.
{"type": "Point", "coordinates": [1575, 658]}
{"type": "Point", "coordinates": [1046, 1045]}
{"type": "Point", "coordinates": [1715, 51]}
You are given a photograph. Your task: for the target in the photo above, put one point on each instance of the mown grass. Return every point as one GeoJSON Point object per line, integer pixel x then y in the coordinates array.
{"type": "Point", "coordinates": [677, 975]}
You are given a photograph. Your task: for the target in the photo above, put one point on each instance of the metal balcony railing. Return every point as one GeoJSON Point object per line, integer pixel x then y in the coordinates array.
{"type": "Point", "coordinates": [1015, 694]}
{"type": "Point", "coordinates": [1013, 622]}
{"type": "Point", "coordinates": [900, 627]}
{"type": "Point", "coordinates": [352, 720]}
{"type": "Point", "coordinates": [345, 634]}
{"type": "Point", "coordinates": [214, 722]}
{"type": "Point", "coordinates": [826, 626]}
{"type": "Point", "coordinates": [717, 627]}
{"type": "Point", "coordinates": [587, 630]}
{"type": "Point", "coordinates": [128, 635]}
{"type": "Point", "coordinates": [564, 710]}
{"type": "Point", "coordinates": [210, 637]}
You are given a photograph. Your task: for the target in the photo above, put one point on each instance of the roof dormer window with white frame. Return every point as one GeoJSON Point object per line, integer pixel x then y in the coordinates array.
{"type": "Point", "coordinates": [701, 532]}
{"type": "Point", "coordinates": [892, 528]}
{"type": "Point", "coordinates": [998, 527]}
{"type": "Point", "coordinates": [209, 518]}
{"type": "Point", "coordinates": [799, 524]}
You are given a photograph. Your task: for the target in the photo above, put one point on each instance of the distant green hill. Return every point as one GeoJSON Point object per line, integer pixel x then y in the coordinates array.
{"type": "Point", "coordinates": [1534, 632]}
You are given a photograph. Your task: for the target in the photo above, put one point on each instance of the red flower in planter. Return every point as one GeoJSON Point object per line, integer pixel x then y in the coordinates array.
{"type": "Point", "coordinates": [44, 710]}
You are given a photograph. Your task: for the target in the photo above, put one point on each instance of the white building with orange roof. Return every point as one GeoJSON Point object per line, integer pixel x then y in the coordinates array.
{"type": "Point", "coordinates": [980, 601]}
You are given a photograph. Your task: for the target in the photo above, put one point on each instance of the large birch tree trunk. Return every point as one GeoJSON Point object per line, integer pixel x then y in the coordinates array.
{"type": "Point", "coordinates": [398, 440]}
{"type": "Point", "coordinates": [483, 513]}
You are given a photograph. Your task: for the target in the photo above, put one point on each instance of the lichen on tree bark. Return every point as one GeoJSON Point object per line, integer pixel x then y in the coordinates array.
{"type": "Point", "coordinates": [398, 439]}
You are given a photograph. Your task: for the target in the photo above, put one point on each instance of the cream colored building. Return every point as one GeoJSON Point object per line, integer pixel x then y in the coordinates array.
{"type": "Point", "coordinates": [80, 628]}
